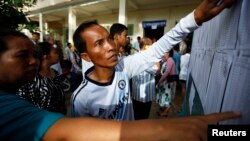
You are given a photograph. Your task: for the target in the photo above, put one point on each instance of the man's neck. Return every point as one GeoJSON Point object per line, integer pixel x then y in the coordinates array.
{"type": "Point", "coordinates": [102, 75]}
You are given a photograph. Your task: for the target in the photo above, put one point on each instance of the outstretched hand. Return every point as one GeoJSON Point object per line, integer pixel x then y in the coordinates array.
{"type": "Point", "coordinates": [210, 8]}
{"type": "Point", "coordinates": [194, 128]}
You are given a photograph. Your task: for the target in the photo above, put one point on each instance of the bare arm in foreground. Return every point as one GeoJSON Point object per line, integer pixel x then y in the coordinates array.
{"type": "Point", "coordinates": [176, 129]}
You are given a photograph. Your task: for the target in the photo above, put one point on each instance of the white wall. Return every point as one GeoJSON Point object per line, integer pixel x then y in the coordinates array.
{"type": "Point", "coordinates": [171, 15]}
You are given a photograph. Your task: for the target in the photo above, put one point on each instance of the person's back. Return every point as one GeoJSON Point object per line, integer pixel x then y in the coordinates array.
{"type": "Point", "coordinates": [137, 44]}
{"type": "Point", "coordinates": [67, 51]}
{"type": "Point", "coordinates": [177, 58]}
{"type": "Point", "coordinates": [168, 66]}
{"type": "Point", "coordinates": [143, 87]}
{"type": "Point", "coordinates": [184, 71]}
{"type": "Point", "coordinates": [165, 88]}
{"type": "Point", "coordinates": [184, 63]}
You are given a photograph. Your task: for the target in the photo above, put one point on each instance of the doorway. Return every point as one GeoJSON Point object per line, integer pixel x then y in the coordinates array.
{"type": "Point", "coordinates": [154, 29]}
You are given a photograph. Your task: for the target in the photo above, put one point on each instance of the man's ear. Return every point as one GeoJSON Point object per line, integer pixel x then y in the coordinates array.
{"type": "Point", "coordinates": [85, 56]}
{"type": "Point", "coordinates": [45, 57]}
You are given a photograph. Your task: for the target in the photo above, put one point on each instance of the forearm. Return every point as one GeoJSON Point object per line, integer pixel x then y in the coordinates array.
{"type": "Point", "coordinates": [84, 129]}
{"type": "Point", "coordinates": [90, 129]}
{"type": "Point", "coordinates": [176, 129]}
{"type": "Point", "coordinates": [145, 130]}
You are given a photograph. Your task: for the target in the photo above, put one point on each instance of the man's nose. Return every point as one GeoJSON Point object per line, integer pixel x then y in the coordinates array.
{"type": "Point", "coordinates": [111, 45]}
{"type": "Point", "coordinates": [33, 60]}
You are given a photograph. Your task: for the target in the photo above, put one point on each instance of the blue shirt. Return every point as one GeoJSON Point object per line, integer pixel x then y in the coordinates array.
{"type": "Point", "coordinates": [21, 120]}
{"type": "Point", "coordinates": [177, 60]}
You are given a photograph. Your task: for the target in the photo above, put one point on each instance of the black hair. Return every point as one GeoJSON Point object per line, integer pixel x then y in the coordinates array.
{"type": "Point", "coordinates": [68, 43]}
{"type": "Point", "coordinates": [138, 37]}
{"type": "Point", "coordinates": [188, 49]}
{"type": "Point", "coordinates": [79, 42]}
{"type": "Point", "coordinates": [176, 47]}
{"type": "Point", "coordinates": [6, 34]}
{"type": "Point", "coordinates": [44, 48]}
{"type": "Point", "coordinates": [188, 42]}
{"type": "Point", "coordinates": [171, 53]}
{"type": "Point", "coordinates": [116, 28]}
{"type": "Point", "coordinates": [47, 37]}
{"type": "Point", "coordinates": [36, 33]}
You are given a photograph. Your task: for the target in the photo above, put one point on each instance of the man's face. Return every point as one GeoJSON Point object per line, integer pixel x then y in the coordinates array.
{"type": "Point", "coordinates": [53, 55]}
{"type": "Point", "coordinates": [101, 50]}
{"type": "Point", "coordinates": [122, 39]}
{"type": "Point", "coordinates": [35, 37]}
{"type": "Point", "coordinates": [19, 63]}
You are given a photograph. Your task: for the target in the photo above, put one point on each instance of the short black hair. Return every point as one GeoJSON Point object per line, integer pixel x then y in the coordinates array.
{"type": "Point", "coordinates": [80, 43]}
{"type": "Point", "coordinates": [171, 53]}
{"type": "Point", "coordinates": [176, 47]}
{"type": "Point", "coordinates": [6, 34]}
{"type": "Point", "coordinates": [35, 33]}
{"type": "Point", "coordinates": [68, 43]}
{"type": "Point", "coordinates": [116, 28]}
{"type": "Point", "coordinates": [44, 48]}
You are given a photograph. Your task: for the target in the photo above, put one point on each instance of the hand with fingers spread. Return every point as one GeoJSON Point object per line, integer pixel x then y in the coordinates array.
{"type": "Point", "coordinates": [192, 128]}
{"type": "Point", "coordinates": [210, 8]}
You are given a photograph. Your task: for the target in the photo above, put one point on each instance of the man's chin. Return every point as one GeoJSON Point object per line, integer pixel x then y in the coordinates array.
{"type": "Point", "coordinates": [114, 63]}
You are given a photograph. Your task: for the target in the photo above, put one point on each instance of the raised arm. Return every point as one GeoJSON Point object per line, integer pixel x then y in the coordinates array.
{"type": "Point", "coordinates": [178, 129]}
{"type": "Point", "coordinates": [204, 12]}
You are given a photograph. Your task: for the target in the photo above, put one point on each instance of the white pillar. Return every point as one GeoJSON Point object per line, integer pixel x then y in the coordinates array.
{"type": "Point", "coordinates": [41, 26]}
{"type": "Point", "coordinates": [123, 12]}
{"type": "Point", "coordinates": [71, 23]}
{"type": "Point", "coordinates": [46, 28]}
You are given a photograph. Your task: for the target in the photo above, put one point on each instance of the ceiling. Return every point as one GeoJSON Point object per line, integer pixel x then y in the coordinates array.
{"type": "Point", "coordinates": [87, 8]}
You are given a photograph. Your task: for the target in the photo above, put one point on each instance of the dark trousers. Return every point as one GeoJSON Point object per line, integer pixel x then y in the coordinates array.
{"type": "Point", "coordinates": [141, 110]}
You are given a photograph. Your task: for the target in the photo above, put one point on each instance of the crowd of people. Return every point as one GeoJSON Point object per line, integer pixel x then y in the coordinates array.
{"type": "Point", "coordinates": [116, 85]}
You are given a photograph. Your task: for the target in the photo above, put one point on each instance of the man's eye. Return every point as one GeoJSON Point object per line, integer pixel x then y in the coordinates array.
{"type": "Point", "coordinates": [98, 43]}
{"type": "Point", "coordinates": [23, 55]}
